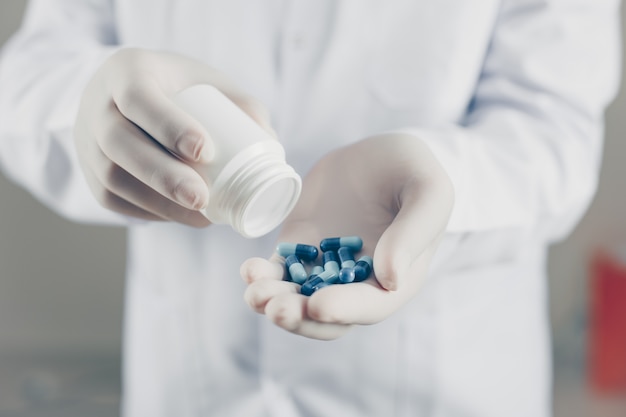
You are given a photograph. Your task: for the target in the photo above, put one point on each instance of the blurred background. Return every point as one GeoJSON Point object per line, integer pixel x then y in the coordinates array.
{"type": "Point", "coordinates": [62, 289]}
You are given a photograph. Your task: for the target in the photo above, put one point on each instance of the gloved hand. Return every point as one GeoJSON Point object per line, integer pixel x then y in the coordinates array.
{"type": "Point", "coordinates": [388, 189]}
{"type": "Point", "coordinates": [134, 143]}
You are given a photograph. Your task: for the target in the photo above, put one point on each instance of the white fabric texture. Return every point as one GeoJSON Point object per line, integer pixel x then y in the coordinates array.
{"type": "Point", "coordinates": [510, 96]}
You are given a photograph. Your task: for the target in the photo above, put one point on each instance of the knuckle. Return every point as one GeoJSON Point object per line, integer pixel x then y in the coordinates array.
{"type": "Point", "coordinates": [158, 180]}
{"type": "Point", "coordinates": [254, 299]}
{"type": "Point", "coordinates": [129, 97]}
{"type": "Point", "coordinates": [179, 133]}
{"type": "Point", "coordinates": [322, 313]}
{"type": "Point", "coordinates": [282, 317]}
{"type": "Point", "coordinates": [245, 269]}
{"type": "Point", "coordinates": [171, 129]}
{"type": "Point", "coordinates": [317, 313]}
{"type": "Point", "coordinates": [251, 274]}
{"type": "Point", "coordinates": [177, 187]}
{"type": "Point", "coordinates": [184, 187]}
{"type": "Point", "coordinates": [174, 187]}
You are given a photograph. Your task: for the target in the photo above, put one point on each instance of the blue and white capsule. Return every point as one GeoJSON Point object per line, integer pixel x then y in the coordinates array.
{"type": "Point", "coordinates": [347, 275]}
{"type": "Point", "coordinates": [296, 269]}
{"type": "Point", "coordinates": [320, 286]}
{"type": "Point", "coordinates": [316, 270]}
{"type": "Point", "coordinates": [310, 285]}
{"type": "Point", "coordinates": [329, 276]}
{"type": "Point", "coordinates": [346, 257]}
{"type": "Point", "coordinates": [363, 268]}
{"type": "Point", "coordinates": [330, 262]}
{"type": "Point", "coordinates": [302, 251]}
{"type": "Point", "coordinates": [355, 243]}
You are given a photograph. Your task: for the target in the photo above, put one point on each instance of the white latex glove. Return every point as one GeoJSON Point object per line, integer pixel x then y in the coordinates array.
{"type": "Point", "coordinates": [134, 143]}
{"type": "Point", "coordinates": [388, 189]}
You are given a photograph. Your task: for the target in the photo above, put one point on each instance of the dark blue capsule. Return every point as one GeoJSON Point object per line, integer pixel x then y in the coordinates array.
{"type": "Point", "coordinates": [302, 251]}
{"type": "Point", "coordinates": [333, 243]}
{"type": "Point", "coordinates": [363, 268]}
{"type": "Point", "coordinates": [309, 285]}
{"type": "Point", "coordinates": [330, 261]}
{"type": "Point", "coordinates": [346, 257]}
{"type": "Point", "coordinates": [321, 285]}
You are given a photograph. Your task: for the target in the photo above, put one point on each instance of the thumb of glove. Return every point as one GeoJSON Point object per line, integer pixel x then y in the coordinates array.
{"type": "Point", "coordinates": [421, 219]}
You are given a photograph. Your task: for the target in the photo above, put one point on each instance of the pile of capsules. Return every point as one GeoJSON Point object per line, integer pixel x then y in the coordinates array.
{"type": "Point", "coordinates": [338, 264]}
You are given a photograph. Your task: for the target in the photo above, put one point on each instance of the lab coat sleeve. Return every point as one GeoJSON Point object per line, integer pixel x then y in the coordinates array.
{"type": "Point", "coordinates": [526, 158]}
{"type": "Point", "coordinates": [43, 70]}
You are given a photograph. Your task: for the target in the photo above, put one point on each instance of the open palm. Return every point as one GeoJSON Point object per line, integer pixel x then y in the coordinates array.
{"type": "Point", "coordinates": [388, 189]}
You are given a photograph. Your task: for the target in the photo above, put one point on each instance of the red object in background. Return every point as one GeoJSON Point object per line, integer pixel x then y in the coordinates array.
{"type": "Point", "coordinates": [607, 333]}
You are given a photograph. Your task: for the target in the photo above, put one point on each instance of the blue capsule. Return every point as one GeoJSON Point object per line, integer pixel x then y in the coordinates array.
{"type": "Point", "coordinates": [355, 243]}
{"type": "Point", "coordinates": [296, 269]}
{"type": "Point", "coordinates": [316, 270]}
{"type": "Point", "coordinates": [321, 285]}
{"type": "Point", "coordinates": [309, 285]}
{"type": "Point", "coordinates": [330, 261]}
{"type": "Point", "coordinates": [347, 275]}
{"type": "Point", "coordinates": [302, 251]}
{"type": "Point", "coordinates": [329, 275]}
{"type": "Point", "coordinates": [338, 263]}
{"type": "Point", "coordinates": [363, 268]}
{"type": "Point", "coordinates": [312, 285]}
{"type": "Point", "coordinates": [346, 258]}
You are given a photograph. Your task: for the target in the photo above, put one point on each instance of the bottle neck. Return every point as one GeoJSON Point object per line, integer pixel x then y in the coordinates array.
{"type": "Point", "coordinates": [259, 195]}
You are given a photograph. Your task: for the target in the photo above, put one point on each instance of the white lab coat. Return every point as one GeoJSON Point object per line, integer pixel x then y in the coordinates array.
{"type": "Point", "coordinates": [509, 94]}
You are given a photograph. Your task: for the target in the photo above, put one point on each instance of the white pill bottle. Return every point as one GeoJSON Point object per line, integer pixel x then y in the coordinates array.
{"type": "Point", "coordinates": [251, 187]}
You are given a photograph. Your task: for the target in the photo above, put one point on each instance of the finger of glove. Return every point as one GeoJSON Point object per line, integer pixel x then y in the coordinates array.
{"type": "Point", "coordinates": [364, 302]}
{"type": "Point", "coordinates": [115, 203]}
{"type": "Point", "coordinates": [255, 109]}
{"type": "Point", "coordinates": [131, 149]}
{"type": "Point", "coordinates": [121, 183]}
{"type": "Point", "coordinates": [256, 269]}
{"type": "Point", "coordinates": [421, 219]}
{"type": "Point", "coordinates": [259, 293]}
{"type": "Point", "coordinates": [149, 107]}
{"type": "Point", "coordinates": [194, 72]}
{"type": "Point", "coordinates": [288, 311]}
